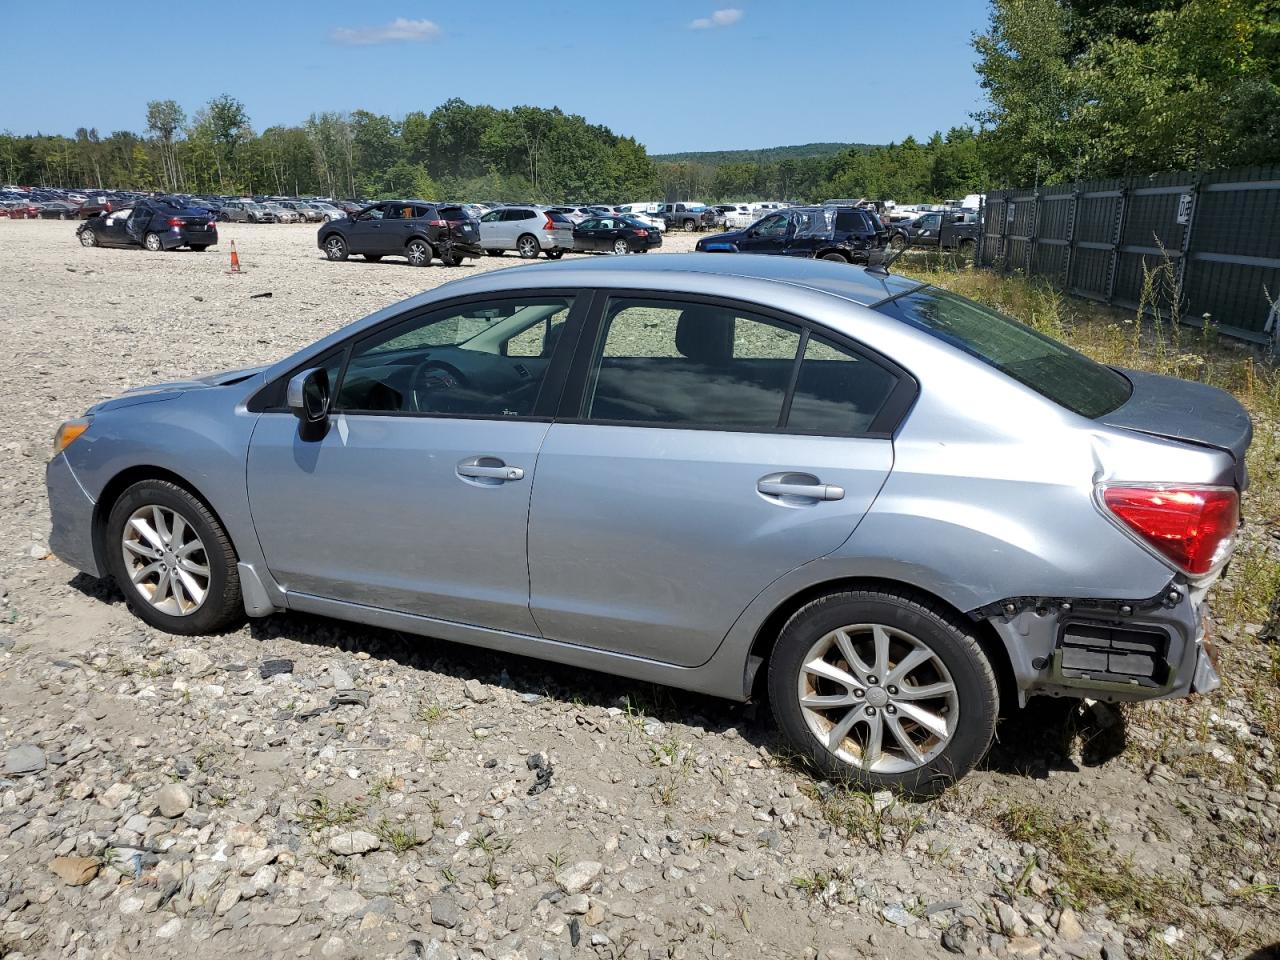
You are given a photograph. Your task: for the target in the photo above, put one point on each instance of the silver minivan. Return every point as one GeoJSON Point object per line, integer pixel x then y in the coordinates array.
{"type": "Point", "coordinates": [528, 230]}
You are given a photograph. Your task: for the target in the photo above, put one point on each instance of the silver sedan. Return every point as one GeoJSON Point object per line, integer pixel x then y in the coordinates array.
{"type": "Point", "coordinates": [879, 505]}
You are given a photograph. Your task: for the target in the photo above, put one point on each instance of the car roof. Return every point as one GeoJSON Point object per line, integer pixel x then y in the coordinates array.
{"type": "Point", "coordinates": [842, 280]}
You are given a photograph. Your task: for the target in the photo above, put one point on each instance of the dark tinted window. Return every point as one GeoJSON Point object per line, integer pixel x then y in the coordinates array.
{"type": "Point", "coordinates": [560, 218]}
{"type": "Point", "coordinates": [690, 365]}
{"type": "Point", "coordinates": [1041, 363]}
{"type": "Point", "coordinates": [849, 221]}
{"type": "Point", "coordinates": [837, 392]}
{"type": "Point", "coordinates": [517, 215]}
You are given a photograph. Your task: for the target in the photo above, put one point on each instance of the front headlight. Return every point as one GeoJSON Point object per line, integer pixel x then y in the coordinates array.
{"type": "Point", "coordinates": [68, 432]}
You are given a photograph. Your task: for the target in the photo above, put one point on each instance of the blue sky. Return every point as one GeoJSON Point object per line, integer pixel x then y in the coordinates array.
{"type": "Point", "coordinates": [676, 74]}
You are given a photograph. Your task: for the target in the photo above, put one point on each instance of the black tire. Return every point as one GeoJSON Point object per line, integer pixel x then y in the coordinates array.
{"type": "Point", "coordinates": [938, 629]}
{"type": "Point", "coordinates": [897, 242]}
{"type": "Point", "coordinates": [690, 226]}
{"type": "Point", "coordinates": [222, 605]}
{"type": "Point", "coordinates": [495, 253]}
{"type": "Point", "coordinates": [419, 252]}
{"type": "Point", "coordinates": [528, 247]}
{"type": "Point", "coordinates": [454, 261]}
{"type": "Point", "coordinates": [88, 238]}
{"type": "Point", "coordinates": [372, 257]}
{"type": "Point", "coordinates": [335, 248]}
{"type": "Point", "coordinates": [554, 254]}
{"type": "Point", "coordinates": [835, 257]}
{"type": "Point", "coordinates": [200, 247]}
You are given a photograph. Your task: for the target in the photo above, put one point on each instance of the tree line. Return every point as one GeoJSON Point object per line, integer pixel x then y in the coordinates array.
{"type": "Point", "coordinates": [1075, 89]}
{"type": "Point", "coordinates": [456, 150]}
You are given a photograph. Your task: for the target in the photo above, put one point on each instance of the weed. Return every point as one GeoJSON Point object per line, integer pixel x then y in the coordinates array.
{"type": "Point", "coordinates": [400, 839]}
{"type": "Point", "coordinates": [319, 812]}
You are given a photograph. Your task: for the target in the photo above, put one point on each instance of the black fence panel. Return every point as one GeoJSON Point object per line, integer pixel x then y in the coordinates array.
{"type": "Point", "coordinates": [1219, 229]}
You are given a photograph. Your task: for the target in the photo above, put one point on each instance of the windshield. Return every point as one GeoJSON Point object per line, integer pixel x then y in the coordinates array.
{"type": "Point", "coordinates": [1048, 367]}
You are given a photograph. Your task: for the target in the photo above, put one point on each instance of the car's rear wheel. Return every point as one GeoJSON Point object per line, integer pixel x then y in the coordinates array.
{"type": "Point", "coordinates": [527, 246]}
{"type": "Point", "coordinates": [152, 242]}
{"type": "Point", "coordinates": [373, 257]}
{"type": "Point", "coordinates": [883, 689]}
{"type": "Point", "coordinates": [619, 246]}
{"type": "Point", "coordinates": [690, 226]}
{"type": "Point", "coordinates": [454, 261]}
{"type": "Point", "coordinates": [88, 238]}
{"type": "Point", "coordinates": [419, 252]}
{"type": "Point", "coordinates": [199, 247]}
{"type": "Point", "coordinates": [172, 559]}
{"type": "Point", "coordinates": [554, 254]}
{"type": "Point", "coordinates": [495, 253]}
{"type": "Point", "coordinates": [835, 257]}
{"type": "Point", "coordinates": [335, 248]}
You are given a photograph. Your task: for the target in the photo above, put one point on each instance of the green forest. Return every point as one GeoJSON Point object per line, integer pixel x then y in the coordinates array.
{"type": "Point", "coordinates": [1074, 89]}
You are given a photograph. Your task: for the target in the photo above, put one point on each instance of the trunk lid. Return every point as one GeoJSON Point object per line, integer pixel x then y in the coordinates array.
{"type": "Point", "coordinates": [1183, 410]}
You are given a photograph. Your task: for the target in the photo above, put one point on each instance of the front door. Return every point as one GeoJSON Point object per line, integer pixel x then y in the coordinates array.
{"type": "Point", "coordinates": [696, 466]}
{"type": "Point", "coordinates": [113, 229]}
{"type": "Point", "coordinates": [767, 236]}
{"type": "Point", "coordinates": [417, 498]}
{"type": "Point", "coordinates": [365, 233]}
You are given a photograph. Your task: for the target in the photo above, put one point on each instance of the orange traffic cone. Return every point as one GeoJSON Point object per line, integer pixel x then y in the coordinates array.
{"type": "Point", "coordinates": [235, 259]}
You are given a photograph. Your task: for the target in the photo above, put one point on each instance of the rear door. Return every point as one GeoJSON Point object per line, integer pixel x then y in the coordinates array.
{"type": "Point", "coordinates": [704, 449]}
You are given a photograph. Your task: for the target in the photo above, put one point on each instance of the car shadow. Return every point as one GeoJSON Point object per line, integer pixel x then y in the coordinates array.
{"type": "Point", "coordinates": [1049, 734]}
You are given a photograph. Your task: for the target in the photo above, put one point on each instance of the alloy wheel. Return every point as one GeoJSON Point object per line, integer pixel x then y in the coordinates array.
{"type": "Point", "coordinates": [619, 246]}
{"type": "Point", "coordinates": [878, 698]}
{"type": "Point", "coordinates": [528, 247]}
{"type": "Point", "coordinates": [87, 239]}
{"type": "Point", "coordinates": [166, 560]}
{"type": "Point", "coordinates": [152, 242]}
{"type": "Point", "coordinates": [333, 248]}
{"type": "Point", "coordinates": [417, 253]}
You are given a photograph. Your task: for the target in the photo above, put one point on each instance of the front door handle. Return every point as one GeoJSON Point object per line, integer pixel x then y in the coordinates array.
{"type": "Point", "coordinates": [798, 486]}
{"type": "Point", "coordinates": [489, 468]}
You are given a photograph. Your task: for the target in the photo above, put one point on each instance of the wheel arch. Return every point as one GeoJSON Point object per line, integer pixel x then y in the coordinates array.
{"type": "Point", "coordinates": [762, 644]}
{"type": "Point", "coordinates": [121, 482]}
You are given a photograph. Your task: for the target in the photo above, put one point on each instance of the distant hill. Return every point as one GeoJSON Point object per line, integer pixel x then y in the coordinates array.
{"type": "Point", "coordinates": [764, 155]}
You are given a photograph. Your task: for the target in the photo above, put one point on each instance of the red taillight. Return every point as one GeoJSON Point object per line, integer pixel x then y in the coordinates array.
{"type": "Point", "coordinates": [1193, 526]}
{"type": "Point", "coordinates": [642, 233]}
{"type": "Point", "coordinates": [437, 223]}
{"type": "Point", "coordinates": [175, 222]}
{"type": "Point", "coordinates": [549, 225]}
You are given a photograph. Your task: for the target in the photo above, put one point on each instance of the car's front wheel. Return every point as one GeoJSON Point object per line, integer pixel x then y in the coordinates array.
{"type": "Point", "coordinates": [88, 238]}
{"type": "Point", "coordinates": [172, 559]}
{"type": "Point", "coordinates": [835, 257]}
{"type": "Point", "coordinates": [885, 690]}
{"type": "Point", "coordinates": [152, 242]}
{"type": "Point", "coordinates": [335, 248]}
{"type": "Point", "coordinates": [897, 242]}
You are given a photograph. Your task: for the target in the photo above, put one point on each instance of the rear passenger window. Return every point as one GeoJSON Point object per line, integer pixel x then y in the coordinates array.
{"type": "Point", "coordinates": [837, 392]}
{"type": "Point", "coordinates": [690, 365]}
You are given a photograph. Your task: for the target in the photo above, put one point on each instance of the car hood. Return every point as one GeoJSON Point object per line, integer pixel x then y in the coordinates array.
{"type": "Point", "coordinates": [174, 388]}
{"type": "Point", "coordinates": [1188, 411]}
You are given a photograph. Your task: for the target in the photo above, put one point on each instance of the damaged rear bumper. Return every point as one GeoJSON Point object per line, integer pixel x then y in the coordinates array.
{"type": "Point", "coordinates": [1112, 650]}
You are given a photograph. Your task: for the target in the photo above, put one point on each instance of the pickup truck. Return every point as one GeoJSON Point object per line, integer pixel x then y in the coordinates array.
{"type": "Point", "coordinates": [687, 216]}
{"type": "Point", "coordinates": [950, 230]}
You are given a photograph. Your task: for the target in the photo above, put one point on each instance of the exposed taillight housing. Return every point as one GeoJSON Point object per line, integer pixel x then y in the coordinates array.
{"type": "Point", "coordinates": [1191, 525]}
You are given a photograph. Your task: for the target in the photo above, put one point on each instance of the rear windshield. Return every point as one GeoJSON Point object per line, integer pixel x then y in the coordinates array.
{"type": "Point", "coordinates": [1048, 367]}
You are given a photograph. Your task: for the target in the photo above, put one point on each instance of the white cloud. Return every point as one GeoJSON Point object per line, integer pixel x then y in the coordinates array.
{"type": "Point", "coordinates": [399, 30]}
{"type": "Point", "coordinates": [721, 18]}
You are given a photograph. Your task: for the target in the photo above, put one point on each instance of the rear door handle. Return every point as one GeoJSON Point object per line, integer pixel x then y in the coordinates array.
{"type": "Point", "coordinates": [489, 468]}
{"type": "Point", "coordinates": [798, 486]}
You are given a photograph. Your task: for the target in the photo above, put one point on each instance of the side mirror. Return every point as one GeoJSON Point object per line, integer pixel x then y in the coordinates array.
{"type": "Point", "coordinates": [308, 399]}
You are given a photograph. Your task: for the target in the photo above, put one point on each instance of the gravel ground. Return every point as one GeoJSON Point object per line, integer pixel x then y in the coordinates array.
{"type": "Point", "coordinates": [179, 795]}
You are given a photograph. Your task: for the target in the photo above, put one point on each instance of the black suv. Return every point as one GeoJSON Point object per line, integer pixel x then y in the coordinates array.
{"type": "Point", "coordinates": [827, 233]}
{"type": "Point", "coordinates": [414, 229]}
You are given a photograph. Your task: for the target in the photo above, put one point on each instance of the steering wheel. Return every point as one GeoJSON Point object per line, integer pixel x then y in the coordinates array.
{"type": "Point", "coordinates": [429, 378]}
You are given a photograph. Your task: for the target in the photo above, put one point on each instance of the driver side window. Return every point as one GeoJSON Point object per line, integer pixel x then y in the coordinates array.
{"type": "Point", "coordinates": [457, 361]}
{"type": "Point", "coordinates": [373, 213]}
{"type": "Point", "coordinates": [774, 226]}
